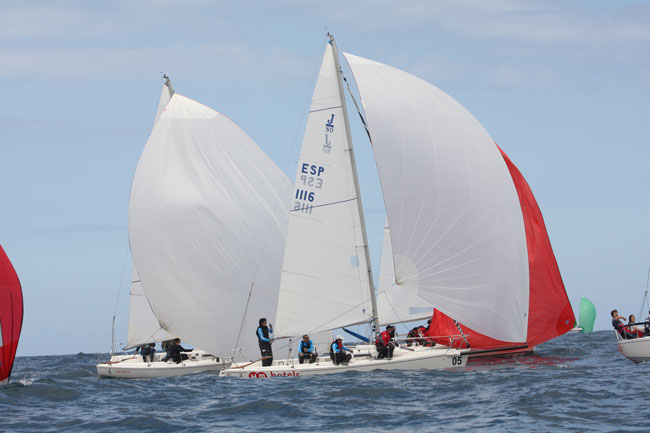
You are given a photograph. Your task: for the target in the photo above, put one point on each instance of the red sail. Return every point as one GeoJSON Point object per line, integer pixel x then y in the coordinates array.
{"type": "Point", "coordinates": [549, 310]}
{"type": "Point", "coordinates": [11, 315]}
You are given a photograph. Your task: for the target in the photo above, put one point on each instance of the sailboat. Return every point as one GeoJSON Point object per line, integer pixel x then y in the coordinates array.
{"type": "Point", "coordinates": [458, 238]}
{"type": "Point", "coordinates": [637, 350]}
{"type": "Point", "coordinates": [193, 195]}
{"type": "Point", "coordinates": [549, 312]}
{"type": "Point", "coordinates": [586, 316]}
{"type": "Point", "coordinates": [11, 315]}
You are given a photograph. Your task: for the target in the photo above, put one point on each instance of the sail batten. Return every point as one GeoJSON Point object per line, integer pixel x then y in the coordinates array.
{"type": "Point", "coordinates": [450, 202]}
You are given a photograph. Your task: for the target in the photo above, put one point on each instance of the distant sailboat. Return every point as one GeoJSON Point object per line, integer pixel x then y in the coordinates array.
{"type": "Point", "coordinates": [204, 219]}
{"type": "Point", "coordinates": [586, 315]}
{"type": "Point", "coordinates": [11, 315]}
{"type": "Point", "coordinates": [207, 225]}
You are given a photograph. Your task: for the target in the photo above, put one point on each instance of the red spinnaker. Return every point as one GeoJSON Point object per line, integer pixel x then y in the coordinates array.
{"type": "Point", "coordinates": [549, 309]}
{"type": "Point", "coordinates": [11, 315]}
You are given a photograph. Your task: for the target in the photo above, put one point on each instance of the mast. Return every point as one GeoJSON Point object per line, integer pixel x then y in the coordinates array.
{"type": "Point", "coordinates": [375, 316]}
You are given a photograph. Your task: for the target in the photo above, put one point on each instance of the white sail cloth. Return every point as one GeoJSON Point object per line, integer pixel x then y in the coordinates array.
{"type": "Point", "coordinates": [143, 325]}
{"type": "Point", "coordinates": [325, 283]}
{"type": "Point", "coordinates": [207, 220]}
{"type": "Point", "coordinates": [396, 303]}
{"type": "Point", "coordinates": [456, 225]}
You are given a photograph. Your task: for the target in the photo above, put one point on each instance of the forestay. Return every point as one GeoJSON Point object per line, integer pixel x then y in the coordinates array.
{"type": "Point", "coordinates": [395, 303]}
{"type": "Point", "coordinates": [207, 219]}
{"type": "Point", "coordinates": [325, 282]}
{"type": "Point", "coordinates": [456, 225]}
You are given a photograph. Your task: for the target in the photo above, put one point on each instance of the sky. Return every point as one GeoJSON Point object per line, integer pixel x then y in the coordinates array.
{"type": "Point", "coordinates": [562, 86]}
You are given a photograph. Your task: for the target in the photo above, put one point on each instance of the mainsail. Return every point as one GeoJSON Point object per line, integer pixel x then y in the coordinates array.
{"type": "Point", "coordinates": [143, 325]}
{"type": "Point", "coordinates": [11, 315]}
{"type": "Point", "coordinates": [207, 223]}
{"type": "Point", "coordinates": [456, 226]}
{"type": "Point", "coordinates": [325, 276]}
{"type": "Point", "coordinates": [550, 312]}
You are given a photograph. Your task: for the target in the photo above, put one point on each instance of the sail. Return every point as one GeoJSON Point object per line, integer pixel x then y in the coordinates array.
{"type": "Point", "coordinates": [165, 96]}
{"type": "Point", "coordinates": [11, 315]}
{"type": "Point", "coordinates": [587, 315]}
{"type": "Point", "coordinates": [550, 312]}
{"type": "Point", "coordinates": [325, 283]}
{"type": "Point", "coordinates": [457, 230]}
{"type": "Point", "coordinates": [207, 223]}
{"type": "Point", "coordinates": [396, 304]}
{"type": "Point", "coordinates": [143, 325]}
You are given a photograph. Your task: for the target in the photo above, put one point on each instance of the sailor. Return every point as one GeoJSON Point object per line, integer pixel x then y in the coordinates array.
{"type": "Point", "coordinates": [338, 352]}
{"type": "Point", "coordinates": [147, 351]}
{"type": "Point", "coordinates": [415, 336]}
{"type": "Point", "coordinates": [174, 352]}
{"type": "Point", "coordinates": [618, 325]}
{"type": "Point", "coordinates": [383, 343]}
{"type": "Point", "coordinates": [264, 336]}
{"type": "Point", "coordinates": [638, 330]}
{"type": "Point", "coordinates": [306, 350]}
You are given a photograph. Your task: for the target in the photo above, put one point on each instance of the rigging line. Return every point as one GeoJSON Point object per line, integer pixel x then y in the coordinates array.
{"type": "Point", "coordinates": [354, 100]}
{"type": "Point", "coordinates": [645, 296]}
{"type": "Point", "coordinates": [117, 300]}
{"type": "Point", "coordinates": [277, 201]}
{"type": "Point", "coordinates": [326, 204]}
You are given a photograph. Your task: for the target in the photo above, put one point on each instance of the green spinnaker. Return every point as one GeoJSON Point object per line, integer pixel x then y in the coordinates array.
{"type": "Point", "coordinates": [587, 315]}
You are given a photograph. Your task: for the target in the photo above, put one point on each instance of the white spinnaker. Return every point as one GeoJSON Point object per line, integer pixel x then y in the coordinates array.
{"type": "Point", "coordinates": [207, 219]}
{"type": "Point", "coordinates": [396, 303]}
{"type": "Point", "coordinates": [325, 283]}
{"type": "Point", "coordinates": [456, 224]}
{"type": "Point", "coordinates": [143, 325]}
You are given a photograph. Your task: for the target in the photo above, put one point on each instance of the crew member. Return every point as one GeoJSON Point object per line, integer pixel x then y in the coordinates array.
{"type": "Point", "coordinates": [306, 350]}
{"type": "Point", "coordinates": [383, 343]}
{"type": "Point", "coordinates": [174, 352]}
{"type": "Point", "coordinates": [264, 336]}
{"type": "Point", "coordinates": [338, 352]}
{"type": "Point", "coordinates": [147, 351]}
{"type": "Point", "coordinates": [618, 325]}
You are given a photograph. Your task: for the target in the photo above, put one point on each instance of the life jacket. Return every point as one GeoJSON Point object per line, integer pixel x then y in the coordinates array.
{"type": "Point", "coordinates": [304, 346]}
{"type": "Point", "coordinates": [616, 323]}
{"type": "Point", "coordinates": [265, 332]}
{"type": "Point", "coordinates": [382, 339]}
{"type": "Point", "coordinates": [340, 346]}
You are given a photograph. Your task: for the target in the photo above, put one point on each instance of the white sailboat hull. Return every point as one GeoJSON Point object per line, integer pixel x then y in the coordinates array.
{"type": "Point", "coordinates": [636, 350]}
{"type": "Point", "coordinates": [133, 367]}
{"type": "Point", "coordinates": [364, 359]}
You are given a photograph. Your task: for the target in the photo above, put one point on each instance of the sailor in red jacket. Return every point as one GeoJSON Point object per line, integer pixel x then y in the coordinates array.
{"type": "Point", "coordinates": [383, 343]}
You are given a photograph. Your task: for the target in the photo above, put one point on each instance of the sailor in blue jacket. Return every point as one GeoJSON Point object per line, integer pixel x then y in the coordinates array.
{"type": "Point", "coordinates": [306, 350]}
{"type": "Point", "coordinates": [338, 352]}
{"type": "Point", "coordinates": [264, 336]}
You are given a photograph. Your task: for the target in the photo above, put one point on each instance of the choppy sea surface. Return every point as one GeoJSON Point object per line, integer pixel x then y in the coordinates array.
{"type": "Point", "coordinates": [577, 382]}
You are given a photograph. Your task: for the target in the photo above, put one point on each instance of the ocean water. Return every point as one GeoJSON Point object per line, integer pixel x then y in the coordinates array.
{"type": "Point", "coordinates": [577, 383]}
